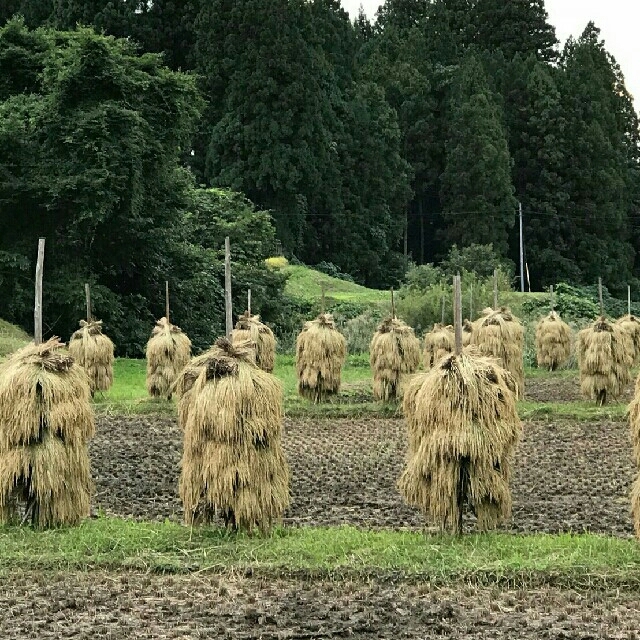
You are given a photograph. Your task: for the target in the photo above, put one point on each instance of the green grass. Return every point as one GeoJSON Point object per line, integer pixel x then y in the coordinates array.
{"type": "Point", "coordinates": [306, 284]}
{"type": "Point", "coordinates": [109, 543]}
{"type": "Point", "coordinates": [11, 338]}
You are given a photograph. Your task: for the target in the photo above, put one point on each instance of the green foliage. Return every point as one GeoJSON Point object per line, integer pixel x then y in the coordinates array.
{"type": "Point", "coordinates": [480, 259]}
{"type": "Point", "coordinates": [11, 338]}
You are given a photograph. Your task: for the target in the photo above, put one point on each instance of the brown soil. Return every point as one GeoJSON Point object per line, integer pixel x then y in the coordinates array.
{"type": "Point", "coordinates": [130, 605]}
{"type": "Point", "coordinates": [567, 476]}
{"type": "Point", "coordinates": [560, 387]}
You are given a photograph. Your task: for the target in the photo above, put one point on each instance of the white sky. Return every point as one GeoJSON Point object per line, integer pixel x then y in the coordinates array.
{"type": "Point", "coordinates": [618, 21]}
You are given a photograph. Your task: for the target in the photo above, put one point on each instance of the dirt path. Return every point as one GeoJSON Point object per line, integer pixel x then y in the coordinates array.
{"type": "Point", "coordinates": [130, 605]}
{"type": "Point", "coordinates": [567, 476]}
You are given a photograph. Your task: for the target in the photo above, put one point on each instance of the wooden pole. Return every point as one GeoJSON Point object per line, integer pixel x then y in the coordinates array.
{"type": "Point", "coordinates": [249, 301]}
{"type": "Point", "coordinates": [629, 299]}
{"type": "Point", "coordinates": [551, 297]}
{"type": "Point", "coordinates": [442, 314]}
{"type": "Point", "coordinates": [322, 299]}
{"type": "Point", "coordinates": [600, 296]}
{"type": "Point", "coordinates": [495, 289]}
{"type": "Point", "coordinates": [393, 305]}
{"type": "Point", "coordinates": [471, 302]}
{"type": "Point", "coordinates": [166, 300]}
{"type": "Point", "coordinates": [227, 287]}
{"type": "Point", "coordinates": [457, 313]}
{"type": "Point", "coordinates": [37, 311]}
{"type": "Point", "coordinates": [87, 296]}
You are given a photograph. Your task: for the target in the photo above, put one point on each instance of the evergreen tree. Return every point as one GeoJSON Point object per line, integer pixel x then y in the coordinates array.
{"type": "Point", "coordinates": [599, 152]}
{"type": "Point", "coordinates": [477, 192]}
{"type": "Point", "coordinates": [514, 26]}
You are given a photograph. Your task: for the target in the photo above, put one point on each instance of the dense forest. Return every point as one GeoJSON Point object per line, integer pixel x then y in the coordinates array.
{"type": "Point", "coordinates": [136, 134]}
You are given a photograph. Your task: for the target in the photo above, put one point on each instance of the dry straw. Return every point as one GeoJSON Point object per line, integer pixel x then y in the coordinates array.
{"type": "Point", "coordinates": [631, 326]}
{"type": "Point", "coordinates": [168, 352]}
{"type": "Point", "coordinates": [93, 351]}
{"type": "Point", "coordinates": [500, 335]}
{"type": "Point", "coordinates": [394, 353]}
{"type": "Point", "coordinates": [45, 422]}
{"type": "Point", "coordinates": [463, 429]}
{"type": "Point", "coordinates": [553, 342]}
{"type": "Point", "coordinates": [320, 353]}
{"type": "Point", "coordinates": [438, 343]}
{"type": "Point", "coordinates": [251, 328]}
{"type": "Point", "coordinates": [467, 330]}
{"type": "Point", "coordinates": [634, 421]}
{"type": "Point", "coordinates": [605, 360]}
{"type": "Point", "coordinates": [233, 463]}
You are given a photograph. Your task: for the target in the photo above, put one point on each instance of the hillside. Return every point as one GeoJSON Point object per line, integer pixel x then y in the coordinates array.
{"type": "Point", "coordinates": [11, 338]}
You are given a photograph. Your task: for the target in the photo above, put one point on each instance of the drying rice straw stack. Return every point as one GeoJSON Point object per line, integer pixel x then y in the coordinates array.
{"type": "Point", "coordinates": [394, 353]}
{"type": "Point", "coordinates": [605, 360]}
{"type": "Point", "coordinates": [320, 353]}
{"type": "Point", "coordinates": [553, 342]}
{"type": "Point", "coordinates": [168, 352]}
{"type": "Point", "coordinates": [251, 328]}
{"type": "Point", "coordinates": [438, 343]}
{"type": "Point", "coordinates": [45, 422]}
{"type": "Point", "coordinates": [233, 464]}
{"type": "Point", "coordinates": [634, 421]}
{"type": "Point", "coordinates": [463, 429]}
{"type": "Point", "coordinates": [631, 326]}
{"type": "Point", "coordinates": [467, 330]}
{"type": "Point", "coordinates": [500, 335]}
{"type": "Point", "coordinates": [93, 351]}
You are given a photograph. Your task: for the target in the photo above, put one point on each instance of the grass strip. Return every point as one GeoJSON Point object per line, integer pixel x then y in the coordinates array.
{"type": "Point", "coordinates": [566, 560]}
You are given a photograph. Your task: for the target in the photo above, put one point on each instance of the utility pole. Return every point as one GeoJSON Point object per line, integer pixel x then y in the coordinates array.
{"type": "Point", "coordinates": [521, 249]}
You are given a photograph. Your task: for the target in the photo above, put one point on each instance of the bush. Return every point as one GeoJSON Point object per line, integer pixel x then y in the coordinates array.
{"type": "Point", "coordinates": [332, 270]}
{"type": "Point", "coordinates": [359, 330]}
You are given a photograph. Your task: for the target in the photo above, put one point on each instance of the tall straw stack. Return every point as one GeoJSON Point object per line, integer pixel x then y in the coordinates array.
{"type": "Point", "coordinates": [168, 352]}
{"type": "Point", "coordinates": [320, 353]}
{"type": "Point", "coordinates": [500, 335]}
{"type": "Point", "coordinates": [605, 360]}
{"type": "Point", "coordinates": [251, 328]}
{"type": "Point", "coordinates": [438, 343]}
{"type": "Point", "coordinates": [631, 326]}
{"type": "Point", "coordinates": [93, 351]}
{"type": "Point", "coordinates": [45, 422]}
{"type": "Point", "coordinates": [463, 429]}
{"type": "Point", "coordinates": [394, 353]}
{"type": "Point", "coordinates": [634, 421]}
{"type": "Point", "coordinates": [553, 342]}
{"type": "Point", "coordinates": [233, 463]}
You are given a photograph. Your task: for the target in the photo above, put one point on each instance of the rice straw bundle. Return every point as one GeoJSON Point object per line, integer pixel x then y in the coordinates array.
{"type": "Point", "coordinates": [45, 422]}
{"type": "Point", "coordinates": [553, 342]}
{"type": "Point", "coordinates": [631, 326]}
{"type": "Point", "coordinates": [394, 353]}
{"type": "Point", "coordinates": [233, 464]}
{"type": "Point", "coordinates": [463, 429]}
{"type": "Point", "coordinates": [467, 330]}
{"type": "Point", "coordinates": [438, 343]}
{"type": "Point", "coordinates": [93, 351]}
{"type": "Point", "coordinates": [605, 360]}
{"type": "Point", "coordinates": [168, 352]}
{"type": "Point", "coordinates": [320, 353]}
{"type": "Point", "coordinates": [250, 328]}
{"type": "Point", "coordinates": [500, 335]}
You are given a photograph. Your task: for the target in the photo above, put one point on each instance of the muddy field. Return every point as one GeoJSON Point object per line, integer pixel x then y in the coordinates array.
{"type": "Point", "coordinates": [568, 476]}
{"type": "Point", "coordinates": [100, 605]}
{"type": "Point", "coordinates": [562, 388]}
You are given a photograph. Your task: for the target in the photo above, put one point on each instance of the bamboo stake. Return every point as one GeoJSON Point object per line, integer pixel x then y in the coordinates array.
{"type": "Point", "coordinates": [37, 311]}
{"type": "Point", "coordinates": [87, 296]}
{"type": "Point", "coordinates": [495, 289]}
{"type": "Point", "coordinates": [551, 297]}
{"type": "Point", "coordinates": [457, 313]}
{"type": "Point", "coordinates": [393, 305]}
{"type": "Point", "coordinates": [249, 301]}
{"type": "Point", "coordinates": [227, 288]}
{"type": "Point", "coordinates": [322, 298]}
{"type": "Point", "coordinates": [629, 299]}
{"type": "Point", "coordinates": [471, 302]}
{"type": "Point", "coordinates": [166, 300]}
{"type": "Point", "coordinates": [442, 319]}
{"type": "Point", "coordinates": [600, 297]}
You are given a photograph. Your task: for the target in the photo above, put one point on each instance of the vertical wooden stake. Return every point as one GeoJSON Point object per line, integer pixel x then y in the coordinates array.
{"type": "Point", "coordinates": [442, 319]}
{"type": "Point", "coordinates": [629, 299]}
{"type": "Point", "coordinates": [457, 313]}
{"type": "Point", "coordinates": [227, 288]}
{"type": "Point", "coordinates": [471, 302]}
{"type": "Point", "coordinates": [600, 296]}
{"type": "Point", "coordinates": [37, 311]}
{"type": "Point", "coordinates": [166, 300]}
{"type": "Point", "coordinates": [551, 298]}
{"type": "Point", "coordinates": [249, 301]}
{"type": "Point", "coordinates": [495, 289]}
{"type": "Point", "coordinates": [87, 296]}
{"type": "Point", "coordinates": [393, 305]}
{"type": "Point", "coordinates": [322, 299]}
